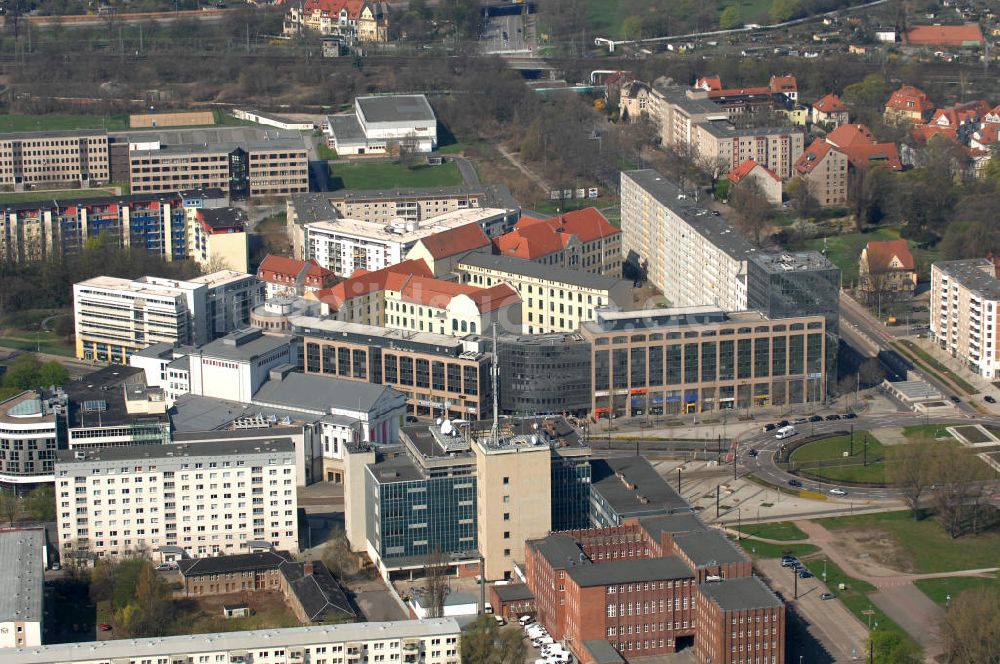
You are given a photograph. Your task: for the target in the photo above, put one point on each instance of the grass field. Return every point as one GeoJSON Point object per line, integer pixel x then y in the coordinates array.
{"type": "Point", "coordinates": [606, 16]}
{"type": "Point", "coordinates": [61, 121]}
{"type": "Point", "coordinates": [66, 195]}
{"type": "Point", "coordinates": [939, 589]}
{"type": "Point", "coordinates": [924, 432]}
{"type": "Point", "coordinates": [386, 175]}
{"type": "Point", "coordinates": [326, 153]}
{"type": "Point", "coordinates": [780, 530]}
{"type": "Point", "coordinates": [845, 251]}
{"type": "Point", "coordinates": [924, 545]}
{"type": "Point", "coordinates": [833, 449]}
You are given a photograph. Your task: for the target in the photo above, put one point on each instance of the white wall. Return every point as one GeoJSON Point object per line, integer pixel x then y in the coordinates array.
{"type": "Point", "coordinates": [31, 634]}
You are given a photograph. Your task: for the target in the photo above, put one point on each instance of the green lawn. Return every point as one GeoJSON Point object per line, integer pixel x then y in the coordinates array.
{"type": "Point", "coordinates": [925, 544]}
{"type": "Point", "coordinates": [65, 195]}
{"type": "Point", "coordinates": [833, 449]}
{"type": "Point", "coordinates": [844, 251]}
{"type": "Point", "coordinates": [387, 175]}
{"type": "Point", "coordinates": [924, 432]}
{"type": "Point", "coordinates": [326, 153]}
{"type": "Point", "coordinates": [939, 589]}
{"type": "Point", "coordinates": [606, 16]}
{"type": "Point", "coordinates": [61, 121]}
{"type": "Point", "coordinates": [780, 530]}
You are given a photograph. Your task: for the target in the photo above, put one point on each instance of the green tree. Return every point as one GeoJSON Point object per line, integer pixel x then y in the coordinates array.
{"type": "Point", "coordinates": [782, 10]}
{"type": "Point", "coordinates": [511, 648]}
{"type": "Point", "coordinates": [10, 505]}
{"type": "Point", "coordinates": [632, 27]}
{"type": "Point", "coordinates": [40, 503]}
{"type": "Point", "coordinates": [23, 372]}
{"type": "Point", "coordinates": [731, 17]}
{"type": "Point", "coordinates": [889, 647]}
{"type": "Point", "coordinates": [479, 639]}
{"type": "Point", "coordinates": [52, 373]}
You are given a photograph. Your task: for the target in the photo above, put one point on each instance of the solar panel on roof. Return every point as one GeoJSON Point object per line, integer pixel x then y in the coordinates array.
{"type": "Point", "coordinates": [95, 406]}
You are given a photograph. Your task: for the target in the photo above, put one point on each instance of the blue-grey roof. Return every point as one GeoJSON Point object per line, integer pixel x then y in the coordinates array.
{"type": "Point", "coordinates": [396, 108]}
{"type": "Point", "coordinates": [21, 567]}
{"type": "Point", "coordinates": [245, 345]}
{"type": "Point", "coordinates": [630, 571]}
{"type": "Point", "coordinates": [708, 547]}
{"type": "Point", "coordinates": [602, 652]}
{"type": "Point", "coordinates": [740, 594]}
{"type": "Point", "coordinates": [319, 394]}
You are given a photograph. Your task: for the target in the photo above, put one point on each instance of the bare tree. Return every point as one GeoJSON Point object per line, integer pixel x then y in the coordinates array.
{"type": "Point", "coordinates": [754, 211]}
{"type": "Point", "coordinates": [879, 281]}
{"type": "Point", "coordinates": [337, 555]}
{"type": "Point", "coordinates": [436, 570]}
{"type": "Point", "coordinates": [10, 505]}
{"type": "Point", "coordinates": [957, 490]}
{"type": "Point", "coordinates": [910, 468]}
{"type": "Point", "coordinates": [802, 196]}
{"type": "Point", "coordinates": [970, 630]}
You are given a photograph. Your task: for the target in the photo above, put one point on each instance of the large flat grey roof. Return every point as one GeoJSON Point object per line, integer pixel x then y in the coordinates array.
{"type": "Point", "coordinates": [210, 643]}
{"type": "Point", "coordinates": [708, 547]}
{"type": "Point", "coordinates": [175, 450]}
{"type": "Point", "coordinates": [245, 345]}
{"type": "Point", "coordinates": [715, 229]}
{"type": "Point", "coordinates": [65, 133]}
{"type": "Point", "coordinates": [513, 592]}
{"type": "Point", "coordinates": [313, 207]}
{"type": "Point", "coordinates": [740, 594]}
{"type": "Point", "coordinates": [644, 481]}
{"type": "Point", "coordinates": [603, 652]}
{"type": "Point", "coordinates": [196, 413]}
{"type": "Point", "coordinates": [319, 394]}
{"type": "Point", "coordinates": [21, 567]}
{"type": "Point", "coordinates": [396, 108]}
{"type": "Point", "coordinates": [346, 128]}
{"type": "Point", "coordinates": [247, 137]}
{"type": "Point", "coordinates": [678, 95]}
{"type": "Point", "coordinates": [976, 274]}
{"type": "Point", "coordinates": [672, 523]}
{"type": "Point", "coordinates": [630, 571]}
{"type": "Point", "coordinates": [534, 270]}
{"type": "Point", "coordinates": [792, 261]}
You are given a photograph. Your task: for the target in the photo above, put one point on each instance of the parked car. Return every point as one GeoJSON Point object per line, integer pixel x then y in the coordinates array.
{"type": "Point", "coordinates": [797, 484]}
{"type": "Point", "coordinates": [769, 427]}
{"type": "Point", "coordinates": [805, 574]}
{"type": "Point", "coordinates": [782, 423]}
{"type": "Point", "coordinates": [816, 418]}
{"type": "Point", "coordinates": [104, 627]}
{"type": "Point", "coordinates": [827, 596]}
{"type": "Point", "coordinates": [166, 567]}
{"type": "Point", "coordinates": [833, 417]}
{"type": "Point", "coordinates": [411, 418]}
{"type": "Point", "coordinates": [850, 416]}
{"type": "Point", "coordinates": [753, 452]}
{"type": "Point", "coordinates": [989, 399]}
{"type": "Point", "coordinates": [525, 620]}
{"type": "Point", "coordinates": [955, 399]}
{"type": "Point", "coordinates": [837, 492]}
{"type": "Point", "coordinates": [55, 567]}
{"type": "Point", "coordinates": [789, 562]}
{"type": "Point", "coordinates": [800, 420]}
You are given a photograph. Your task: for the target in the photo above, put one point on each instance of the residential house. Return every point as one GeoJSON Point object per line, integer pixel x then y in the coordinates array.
{"type": "Point", "coordinates": [633, 101]}
{"type": "Point", "coordinates": [887, 270]}
{"type": "Point", "coordinates": [287, 277]}
{"type": "Point", "coordinates": [908, 104]}
{"type": "Point", "coordinates": [357, 20]}
{"type": "Point", "coordinates": [829, 110]}
{"type": "Point", "coordinates": [825, 163]}
{"type": "Point", "coordinates": [578, 240]}
{"type": "Point", "coordinates": [769, 183]}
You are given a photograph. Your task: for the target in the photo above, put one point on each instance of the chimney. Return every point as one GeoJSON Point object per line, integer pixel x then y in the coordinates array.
{"type": "Point", "coordinates": [307, 569]}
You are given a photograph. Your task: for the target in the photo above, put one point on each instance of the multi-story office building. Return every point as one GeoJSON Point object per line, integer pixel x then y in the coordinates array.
{"type": "Point", "coordinates": [698, 359]}
{"type": "Point", "coordinates": [47, 159]}
{"type": "Point", "coordinates": [21, 604]}
{"type": "Point", "coordinates": [553, 299]}
{"type": "Point", "coordinates": [241, 161]}
{"type": "Point", "coordinates": [965, 305]}
{"type": "Point", "coordinates": [470, 499]}
{"type": "Point", "coordinates": [641, 589]}
{"type": "Point", "coordinates": [177, 500]}
{"type": "Point", "coordinates": [629, 488]}
{"type": "Point", "coordinates": [386, 206]}
{"type": "Point", "coordinates": [117, 317]}
{"type": "Point", "coordinates": [693, 256]}
{"type": "Point", "coordinates": [799, 284]}
{"type": "Point", "coordinates": [32, 430]}
{"type": "Point", "coordinates": [433, 641]}
{"type": "Point", "coordinates": [438, 374]}
{"type": "Point", "coordinates": [346, 245]}
{"type": "Point", "coordinates": [544, 373]}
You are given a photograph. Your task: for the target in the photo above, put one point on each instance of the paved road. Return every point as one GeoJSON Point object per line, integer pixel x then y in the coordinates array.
{"type": "Point", "coordinates": [505, 34]}
{"type": "Point", "coordinates": [467, 170]}
{"type": "Point", "coordinates": [915, 612]}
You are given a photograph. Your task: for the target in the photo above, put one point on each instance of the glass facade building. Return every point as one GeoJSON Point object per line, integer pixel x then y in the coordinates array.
{"type": "Point", "coordinates": [570, 492]}
{"type": "Point", "coordinates": [699, 359]}
{"type": "Point", "coordinates": [544, 373]}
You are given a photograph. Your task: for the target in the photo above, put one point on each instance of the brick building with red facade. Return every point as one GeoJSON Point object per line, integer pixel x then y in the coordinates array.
{"type": "Point", "coordinates": [651, 586]}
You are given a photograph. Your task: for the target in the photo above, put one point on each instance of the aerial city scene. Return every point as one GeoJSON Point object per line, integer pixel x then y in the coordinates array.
{"type": "Point", "coordinates": [499, 331]}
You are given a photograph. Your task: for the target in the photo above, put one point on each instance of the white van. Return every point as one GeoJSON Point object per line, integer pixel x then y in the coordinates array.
{"type": "Point", "coordinates": [524, 620]}
{"type": "Point", "coordinates": [785, 432]}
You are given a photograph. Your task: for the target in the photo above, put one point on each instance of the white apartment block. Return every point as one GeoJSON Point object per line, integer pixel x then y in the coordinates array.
{"type": "Point", "coordinates": [693, 256]}
{"type": "Point", "coordinates": [177, 500]}
{"type": "Point", "coordinates": [24, 554]}
{"type": "Point", "coordinates": [117, 317]}
{"type": "Point", "coordinates": [434, 641]}
{"type": "Point", "coordinates": [345, 245]}
{"type": "Point", "coordinates": [965, 304]}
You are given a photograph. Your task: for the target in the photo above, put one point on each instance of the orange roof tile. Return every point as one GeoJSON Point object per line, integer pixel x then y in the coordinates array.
{"type": "Point", "coordinates": [709, 83]}
{"type": "Point", "coordinates": [882, 253]}
{"type": "Point", "coordinates": [289, 270]}
{"type": "Point", "coordinates": [909, 98]}
{"type": "Point", "coordinates": [533, 238]}
{"type": "Point", "coordinates": [849, 135]}
{"type": "Point", "coordinates": [926, 132]}
{"type": "Point", "coordinates": [870, 154]}
{"type": "Point", "coordinates": [363, 282]}
{"type": "Point", "coordinates": [460, 240]}
{"type": "Point", "coordinates": [745, 168]}
{"type": "Point", "coordinates": [786, 83]}
{"type": "Point", "coordinates": [490, 299]}
{"type": "Point", "coordinates": [812, 156]}
{"type": "Point", "coordinates": [830, 103]}
{"type": "Point", "coordinates": [588, 224]}
{"type": "Point", "coordinates": [945, 35]}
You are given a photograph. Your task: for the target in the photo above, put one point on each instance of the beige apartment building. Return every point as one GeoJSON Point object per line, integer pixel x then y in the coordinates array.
{"type": "Point", "coordinates": [553, 299]}
{"type": "Point", "coordinates": [702, 359]}
{"type": "Point", "coordinates": [824, 170]}
{"type": "Point", "coordinates": [965, 307]}
{"type": "Point", "coordinates": [513, 499]}
{"type": "Point", "coordinates": [177, 500]}
{"type": "Point", "coordinates": [45, 159]}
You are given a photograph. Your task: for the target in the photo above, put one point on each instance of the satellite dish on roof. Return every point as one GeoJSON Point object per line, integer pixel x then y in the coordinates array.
{"type": "Point", "coordinates": [446, 428]}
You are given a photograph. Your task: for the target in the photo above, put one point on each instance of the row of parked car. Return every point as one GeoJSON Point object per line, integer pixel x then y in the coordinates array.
{"type": "Point", "coordinates": [802, 420]}
{"type": "Point", "coordinates": [551, 652]}
{"type": "Point", "coordinates": [800, 569]}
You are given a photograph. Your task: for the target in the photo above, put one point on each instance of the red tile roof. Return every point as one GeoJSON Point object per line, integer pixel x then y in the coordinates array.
{"type": "Point", "coordinates": [334, 7]}
{"type": "Point", "coordinates": [945, 35]}
{"type": "Point", "coordinates": [849, 135]}
{"type": "Point", "coordinates": [882, 253]}
{"type": "Point", "coordinates": [988, 134]}
{"type": "Point", "coordinates": [281, 269]}
{"type": "Point", "coordinates": [830, 103]}
{"type": "Point", "coordinates": [909, 98]}
{"type": "Point", "coordinates": [709, 83]}
{"type": "Point", "coordinates": [960, 114]}
{"type": "Point", "coordinates": [745, 168]}
{"type": "Point", "coordinates": [588, 224]}
{"type": "Point", "coordinates": [862, 156]}
{"type": "Point", "coordinates": [533, 238]}
{"type": "Point", "coordinates": [926, 132]}
{"type": "Point", "coordinates": [812, 156]}
{"type": "Point", "coordinates": [363, 282]}
{"type": "Point", "coordinates": [786, 83]}
{"type": "Point", "coordinates": [460, 240]}
{"type": "Point", "coordinates": [489, 299]}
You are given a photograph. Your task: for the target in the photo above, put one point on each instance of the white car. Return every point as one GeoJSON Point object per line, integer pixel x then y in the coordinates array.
{"type": "Point", "coordinates": [837, 492]}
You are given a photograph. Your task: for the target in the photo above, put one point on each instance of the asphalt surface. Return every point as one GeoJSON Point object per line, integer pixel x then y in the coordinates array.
{"type": "Point", "coordinates": [505, 34]}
